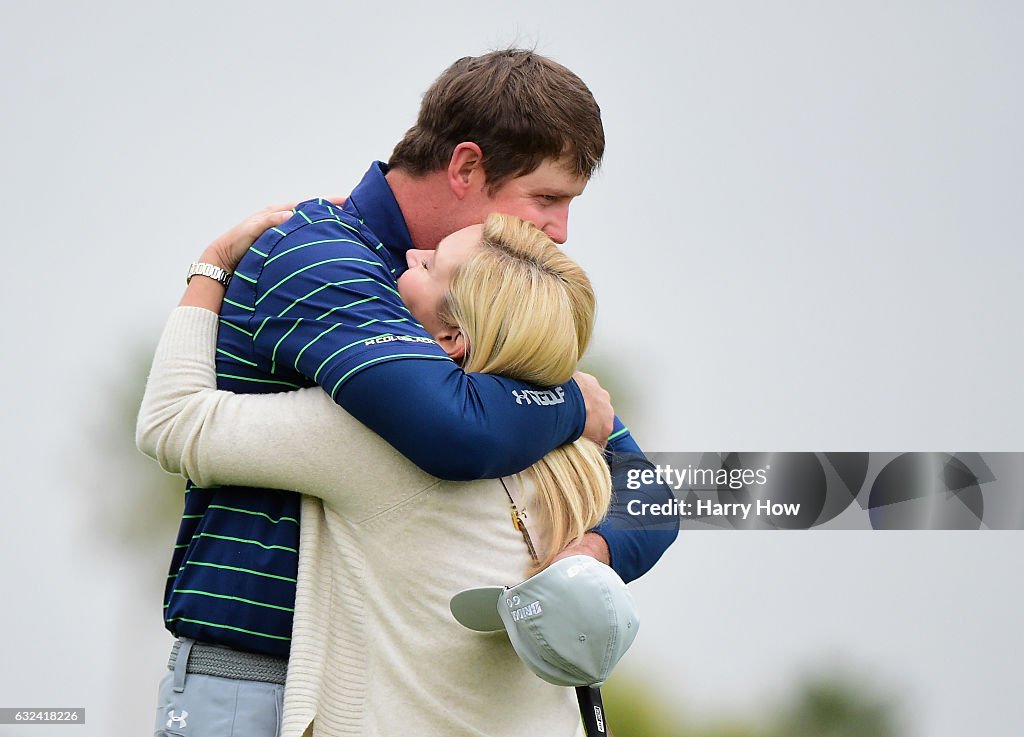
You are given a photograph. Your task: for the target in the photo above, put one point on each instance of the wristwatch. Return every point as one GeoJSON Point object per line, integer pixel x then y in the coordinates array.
{"type": "Point", "coordinates": [209, 270]}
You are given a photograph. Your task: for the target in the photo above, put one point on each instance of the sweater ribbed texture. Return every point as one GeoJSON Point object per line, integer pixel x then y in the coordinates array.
{"type": "Point", "coordinates": [375, 649]}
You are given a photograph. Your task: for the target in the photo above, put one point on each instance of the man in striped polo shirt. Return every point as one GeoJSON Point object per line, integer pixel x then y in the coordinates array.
{"type": "Point", "coordinates": [313, 302]}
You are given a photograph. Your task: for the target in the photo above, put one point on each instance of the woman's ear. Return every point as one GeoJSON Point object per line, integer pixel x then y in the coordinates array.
{"type": "Point", "coordinates": [453, 342]}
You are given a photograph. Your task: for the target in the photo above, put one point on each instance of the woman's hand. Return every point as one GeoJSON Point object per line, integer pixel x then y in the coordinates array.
{"type": "Point", "coordinates": [227, 250]}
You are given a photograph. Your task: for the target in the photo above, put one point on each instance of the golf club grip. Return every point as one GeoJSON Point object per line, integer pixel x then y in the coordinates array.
{"type": "Point", "coordinates": [591, 710]}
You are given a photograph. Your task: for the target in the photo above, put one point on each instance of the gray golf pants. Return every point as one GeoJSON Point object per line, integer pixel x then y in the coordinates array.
{"type": "Point", "coordinates": [196, 705]}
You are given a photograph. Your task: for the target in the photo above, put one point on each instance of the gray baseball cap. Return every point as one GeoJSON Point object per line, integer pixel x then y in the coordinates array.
{"type": "Point", "coordinates": [570, 623]}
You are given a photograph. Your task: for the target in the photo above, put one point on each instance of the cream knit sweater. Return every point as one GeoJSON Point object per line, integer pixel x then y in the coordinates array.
{"type": "Point", "coordinates": [375, 649]}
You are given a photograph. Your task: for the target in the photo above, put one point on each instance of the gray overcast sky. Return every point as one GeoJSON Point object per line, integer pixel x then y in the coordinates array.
{"type": "Point", "coordinates": [806, 236]}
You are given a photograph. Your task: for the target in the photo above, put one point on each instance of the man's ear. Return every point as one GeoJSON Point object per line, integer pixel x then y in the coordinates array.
{"type": "Point", "coordinates": [453, 342]}
{"type": "Point", "coordinates": [465, 169]}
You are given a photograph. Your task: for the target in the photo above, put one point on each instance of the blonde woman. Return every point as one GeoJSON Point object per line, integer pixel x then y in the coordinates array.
{"type": "Point", "coordinates": [384, 546]}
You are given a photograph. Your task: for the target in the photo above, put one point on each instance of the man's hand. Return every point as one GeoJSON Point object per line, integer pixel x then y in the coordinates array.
{"type": "Point", "coordinates": [590, 544]}
{"type": "Point", "coordinates": [600, 413]}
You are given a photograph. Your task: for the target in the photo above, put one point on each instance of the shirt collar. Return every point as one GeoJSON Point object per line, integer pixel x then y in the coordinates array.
{"type": "Point", "coordinates": [373, 202]}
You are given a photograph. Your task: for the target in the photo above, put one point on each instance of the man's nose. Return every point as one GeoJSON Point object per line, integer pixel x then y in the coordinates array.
{"type": "Point", "coordinates": [557, 228]}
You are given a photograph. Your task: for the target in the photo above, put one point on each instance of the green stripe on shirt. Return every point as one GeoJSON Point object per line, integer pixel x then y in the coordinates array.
{"type": "Point", "coordinates": [197, 592]}
{"type": "Point", "coordinates": [227, 627]}
{"type": "Point", "coordinates": [307, 267]}
{"type": "Point", "coordinates": [239, 570]}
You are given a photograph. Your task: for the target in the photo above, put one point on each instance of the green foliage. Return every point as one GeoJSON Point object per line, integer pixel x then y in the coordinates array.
{"type": "Point", "coordinates": [134, 502]}
{"type": "Point", "coordinates": [836, 707]}
{"type": "Point", "coordinates": [612, 377]}
{"type": "Point", "coordinates": [830, 705]}
{"type": "Point", "coordinates": [634, 709]}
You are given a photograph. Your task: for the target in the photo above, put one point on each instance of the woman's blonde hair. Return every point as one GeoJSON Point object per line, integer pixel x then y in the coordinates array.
{"type": "Point", "coordinates": [527, 312]}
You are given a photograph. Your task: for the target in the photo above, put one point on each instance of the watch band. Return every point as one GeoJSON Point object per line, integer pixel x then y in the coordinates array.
{"type": "Point", "coordinates": [209, 270]}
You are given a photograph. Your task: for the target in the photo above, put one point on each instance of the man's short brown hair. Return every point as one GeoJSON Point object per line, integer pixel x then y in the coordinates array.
{"type": "Point", "coordinates": [519, 107]}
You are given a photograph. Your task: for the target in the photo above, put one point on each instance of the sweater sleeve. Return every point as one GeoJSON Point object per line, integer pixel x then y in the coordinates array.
{"type": "Point", "coordinates": [278, 441]}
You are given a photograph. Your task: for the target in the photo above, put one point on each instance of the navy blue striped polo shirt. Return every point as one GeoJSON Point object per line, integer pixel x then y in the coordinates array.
{"type": "Point", "coordinates": [315, 301]}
